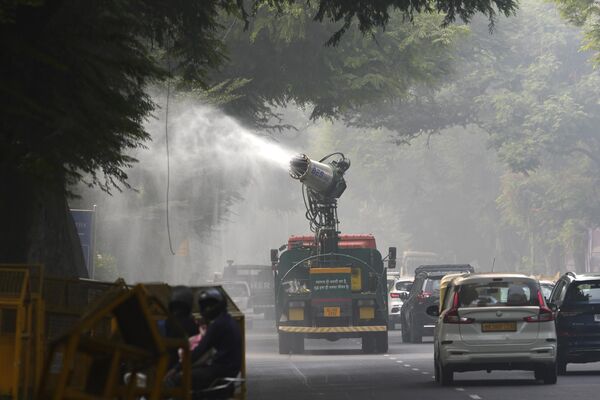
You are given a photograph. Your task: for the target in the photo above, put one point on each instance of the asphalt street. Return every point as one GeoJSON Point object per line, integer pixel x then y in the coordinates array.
{"type": "Point", "coordinates": [338, 370]}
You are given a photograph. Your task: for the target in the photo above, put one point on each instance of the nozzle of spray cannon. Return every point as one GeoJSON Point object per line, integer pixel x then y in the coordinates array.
{"type": "Point", "coordinates": [325, 179]}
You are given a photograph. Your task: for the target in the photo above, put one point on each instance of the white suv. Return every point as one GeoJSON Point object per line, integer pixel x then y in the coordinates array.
{"type": "Point", "coordinates": [494, 322]}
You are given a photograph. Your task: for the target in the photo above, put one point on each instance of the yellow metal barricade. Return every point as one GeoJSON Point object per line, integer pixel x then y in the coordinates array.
{"type": "Point", "coordinates": [81, 365]}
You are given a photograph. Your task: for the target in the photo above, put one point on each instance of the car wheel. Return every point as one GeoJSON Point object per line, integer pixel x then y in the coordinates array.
{"type": "Point", "coordinates": [446, 375]}
{"type": "Point", "coordinates": [391, 325]}
{"type": "Point", "coordinates": [416, 334]}
{"type": "Point", "coordinates": [436, 370]}
{"type": "Point", "coordinates": [405, 335]}
{"type": "Point", "coordinates": [550, 374]}
{"type": "Point", "coordinates": [561, 367]}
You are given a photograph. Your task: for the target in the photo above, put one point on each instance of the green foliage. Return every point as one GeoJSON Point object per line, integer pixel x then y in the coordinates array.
{"type": "Point", "coordinates": [75, 76]}
{"type": "Point", "coordinates": [283, 57]}
{"type": "Point", "coordinates": [75, 73]}
{"type": "Point", "coordinates": [534, 92]}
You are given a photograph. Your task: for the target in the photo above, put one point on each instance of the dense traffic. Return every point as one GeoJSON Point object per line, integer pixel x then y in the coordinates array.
{"type": "Point", "coordinates": [498, 321]}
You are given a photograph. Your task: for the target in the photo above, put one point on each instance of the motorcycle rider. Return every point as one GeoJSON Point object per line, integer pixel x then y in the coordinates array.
{"type": "Point", "coordinates": [180, 308]}
{"type": "Point", "coordinates": [222, 335]}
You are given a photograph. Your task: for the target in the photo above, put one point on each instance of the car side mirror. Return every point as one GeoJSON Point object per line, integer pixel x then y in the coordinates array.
{"type": "Point", "coordinates": [553, 307]}
{"type": "Point", "coordinates": [403, 295]}
{"type": "Point", "coordinates": [433, 311]}
{"type": "Point", "coordinates": [274, 258]}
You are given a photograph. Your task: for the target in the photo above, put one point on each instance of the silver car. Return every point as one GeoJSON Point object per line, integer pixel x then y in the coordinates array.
{"type": "Point", "coordinates": [494, 322]}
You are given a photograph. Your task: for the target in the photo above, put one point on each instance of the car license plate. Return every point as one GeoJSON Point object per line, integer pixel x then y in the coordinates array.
{"type": "Point", "coordinates": [331, 311]}
{"type": "Point", "coordinates": [596, 317]}
{"type": "Point", "coordinates": [499, 327]}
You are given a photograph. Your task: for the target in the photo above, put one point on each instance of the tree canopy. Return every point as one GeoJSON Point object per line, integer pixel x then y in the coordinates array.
{"type": "Point", "coordinates": [76, 79]}
{"type": "Point", "coordinates": [76, 73]}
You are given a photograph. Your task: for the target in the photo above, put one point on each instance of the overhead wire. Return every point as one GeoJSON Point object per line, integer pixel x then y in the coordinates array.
{"type": "Point", "coordinates": [168, 155]}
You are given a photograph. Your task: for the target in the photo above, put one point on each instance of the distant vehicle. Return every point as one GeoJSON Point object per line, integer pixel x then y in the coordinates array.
{"type": "Point", "coordinates": [260, 280]}
{"type": "Point", "coordinates": [424, 292]}
{"type": "Point", "coordinates": [514, 331]}
{"type": "Point", "coordinates": [239, 292]}
{"type": "Point", "coordinates": [399, 287]}
{"type": "Point", "coordinates": [576, 302]}
{"type": "Point", "coordinates": [412, 259]}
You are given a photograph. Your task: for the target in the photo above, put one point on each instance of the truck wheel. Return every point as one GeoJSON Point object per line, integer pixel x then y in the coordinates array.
{"type": "Point", "coordinates": [297, 344]}
{"type": "Point", "coordinates": [284, 343]}
{"type": "Point", "coordinates": [381, 343]}
{"type": "Point", "coordinates": [416, 334]}
{"type": "Point", "coordinates": [368, 343]}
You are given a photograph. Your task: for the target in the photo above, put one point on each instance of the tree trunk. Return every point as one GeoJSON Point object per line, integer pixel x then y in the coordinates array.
{"type": "Point", "coordinates": [36, 226]}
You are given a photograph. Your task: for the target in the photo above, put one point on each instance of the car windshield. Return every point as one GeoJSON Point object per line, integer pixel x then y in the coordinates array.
{"type": "Point", "coordinates": [498, 293]}
{"type": "Point", "coordinates": [432, 285]}
{"type": "Point", "coordinates": [546, 289]}
{"type": "Point", "coordinates": [403, 286]}
{"type": "Point", "coordinates": [236, 289]}
{"type": "Point", "coordinates": [584, 292]}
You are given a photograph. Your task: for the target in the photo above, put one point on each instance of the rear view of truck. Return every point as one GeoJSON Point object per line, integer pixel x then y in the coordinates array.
{"type": "Point", "coordinates": [341, 295]}
{"type": "Point", "coordinates": [329, 286]}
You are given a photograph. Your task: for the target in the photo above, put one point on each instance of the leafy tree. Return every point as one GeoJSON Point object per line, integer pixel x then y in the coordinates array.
{"type": "Point", "coordinates": [283, 57]}
{"type": "Point", "coordinates": [535, 94]}
{"type": "Point", "coordinates": [74, 99]}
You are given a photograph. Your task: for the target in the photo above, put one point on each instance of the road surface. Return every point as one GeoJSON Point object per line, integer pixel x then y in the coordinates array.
{"type": "Point", "coordinates": [339, 371]}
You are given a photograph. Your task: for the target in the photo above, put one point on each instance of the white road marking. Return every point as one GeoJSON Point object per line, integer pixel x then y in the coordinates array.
{"type": "Point", "coordinates": [304, 378]}
{"type": "Point", "coordinates": [415, 369]}
{"type": "Point", "coordinates": [392, 358]}
{"type": "Point", "coordinates": [386, 355]}
{"type": "Point", "coordinates": [424, 372]}
{"type": "Point", "coordinates": [407, 365]}
{"type": "Point", "coordinates": [399, 362]}
{"type": "Point", "coordinates": [460, 389]}
{"type": "Point", "coordinates": [474, 397]}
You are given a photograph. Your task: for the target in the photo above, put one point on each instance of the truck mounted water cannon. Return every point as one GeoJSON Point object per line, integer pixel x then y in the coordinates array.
{"type": "Point", "coordinates": [331, 286]}
{"type": "Point", "coordinates": [323, 183]}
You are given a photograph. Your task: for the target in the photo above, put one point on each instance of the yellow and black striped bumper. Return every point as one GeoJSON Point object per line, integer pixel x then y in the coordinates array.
{"type": "Point", "coordinates": [332, 329]}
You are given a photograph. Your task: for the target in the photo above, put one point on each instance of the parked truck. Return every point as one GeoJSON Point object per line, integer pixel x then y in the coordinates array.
{"type": "Point", "coordinates": [260, 281]}
{"type": "Point", "coordinates": [329, 285]}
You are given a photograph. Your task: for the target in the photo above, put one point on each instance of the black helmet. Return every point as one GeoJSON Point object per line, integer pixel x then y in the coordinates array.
{"type": "Point", "coordinates": [182, 300]}
{"type": "Point", "coordinates": [211, 303]}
